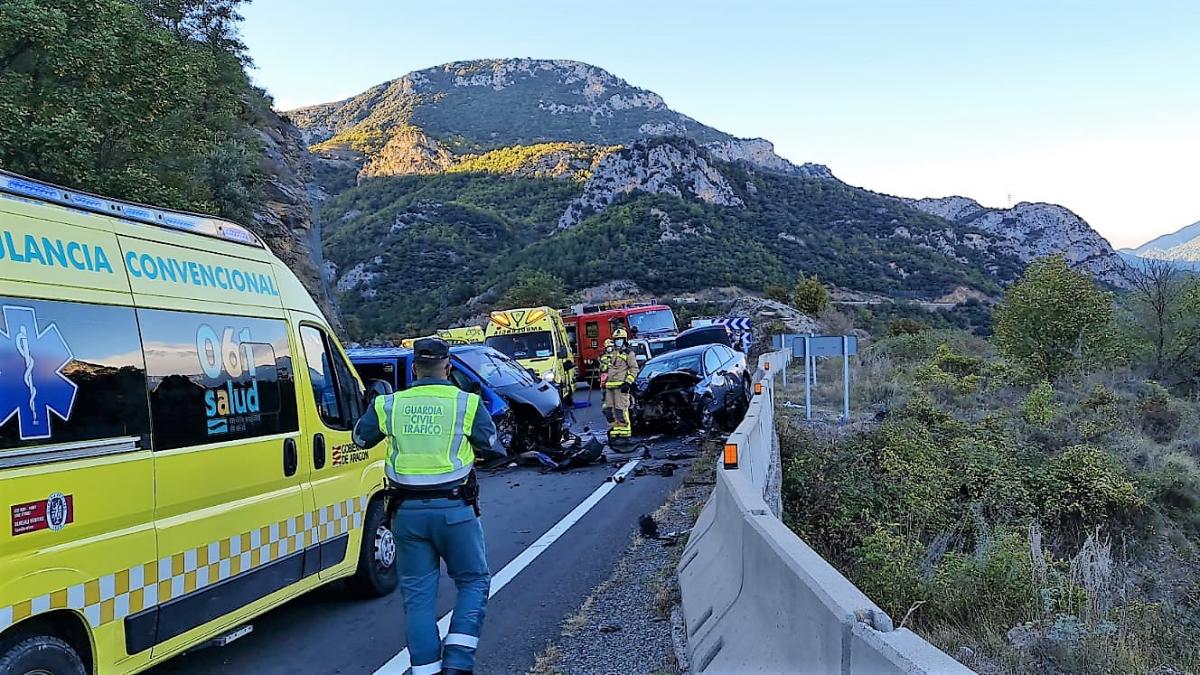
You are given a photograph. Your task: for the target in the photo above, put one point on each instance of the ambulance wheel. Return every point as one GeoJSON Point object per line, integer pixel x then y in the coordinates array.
{"type": "Point", "coordinates": [39, 655]}
{"type": "Point", "coordinates": [377, 573]}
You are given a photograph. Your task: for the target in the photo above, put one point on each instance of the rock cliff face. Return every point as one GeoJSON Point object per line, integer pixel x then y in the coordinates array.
{"type": "Point", "coordinates": [677, 169]}
{"type": "Point", "coordinates": [286, 220]}
{"type": "Point", "coordinates": [408, 152]}
{"type": "Point", "coordinates": [760, 153]}
{"type": "Point", "coordinates": [1032, 230]}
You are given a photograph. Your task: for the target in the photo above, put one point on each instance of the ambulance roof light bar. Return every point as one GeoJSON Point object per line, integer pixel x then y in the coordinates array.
{"type": "Point", "coordinates": [20, 186]}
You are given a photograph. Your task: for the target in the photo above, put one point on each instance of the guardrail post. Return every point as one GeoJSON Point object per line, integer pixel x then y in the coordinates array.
{"type": "Point", "coordinates": [808, 378]}
{"type": "Point", "coordinates": [845, 379]}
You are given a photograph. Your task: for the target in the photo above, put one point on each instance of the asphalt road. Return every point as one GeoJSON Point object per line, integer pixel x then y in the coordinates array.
{"type": "Point", "coordinates": [327, 632]}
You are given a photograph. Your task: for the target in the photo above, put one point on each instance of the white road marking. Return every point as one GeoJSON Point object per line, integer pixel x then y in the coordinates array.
{"type": "Point", "coordinates": [400, 663]}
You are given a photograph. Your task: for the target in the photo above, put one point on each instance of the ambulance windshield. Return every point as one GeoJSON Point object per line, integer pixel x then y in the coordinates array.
{"type": "Point", "coordinates": [537, 345]}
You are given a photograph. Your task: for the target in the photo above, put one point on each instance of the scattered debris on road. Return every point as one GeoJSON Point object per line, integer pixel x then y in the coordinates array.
{"type": "Point", "coordinates": [625, 624]}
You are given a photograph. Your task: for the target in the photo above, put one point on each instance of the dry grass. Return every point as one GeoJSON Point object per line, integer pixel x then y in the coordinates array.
{"type": "Point", "coordinates": [547, 663]}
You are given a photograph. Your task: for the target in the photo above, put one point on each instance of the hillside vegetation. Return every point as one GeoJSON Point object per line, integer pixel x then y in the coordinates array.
{"type": "Point", "coordinates": [481, 105]}
{"type": "Point", "coordinates": [1030, 504]}
{"type": "Point", "coordinates": [145, 101]}
{"type": "Point", "coordinates": [440, 241]}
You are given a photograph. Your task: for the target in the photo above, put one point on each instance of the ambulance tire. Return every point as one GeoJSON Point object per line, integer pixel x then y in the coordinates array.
{"type": "Point", "coordinates": [39, 654]}
{"type": "Point", "coordinates": [377, 574]}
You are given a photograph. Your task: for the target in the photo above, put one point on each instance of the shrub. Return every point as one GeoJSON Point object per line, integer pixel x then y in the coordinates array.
{"type": "Point", "coordinates": [1160, 417]}
{"type": "Point", "coordinates": [1039, 407]}
{"type": "Point", "coordinates": [1086, 487]}
{"type": "Point", "coordinates": [905, 326]}
{"type": "Point", "coordinates": [888, 569]}
{"type": "Point", "coordinates": [1175, 488]}
{"type": "Point", "coordinates": [994, 585]}
{"type": "Point", "coordinates": [1054, 319]}
{"type": "Point", "coordinates": [810, 296]}
{"type": "Point", "coordinates": [1100, 413]}
{"type": "Point", "coordinates": [952, 371]}
{"type": "Point", "coordinates": [534, 288]}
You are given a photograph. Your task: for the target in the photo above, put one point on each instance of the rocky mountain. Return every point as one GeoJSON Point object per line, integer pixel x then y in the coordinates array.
{"type": "Point", "coordinates": [1029, 230]}
{"type": "Point", "coordinates": [430, 119]}
{"type": "Point", "coordinates": [1182, 245]}
{"type": "Point", "coordinates": [465, 176]}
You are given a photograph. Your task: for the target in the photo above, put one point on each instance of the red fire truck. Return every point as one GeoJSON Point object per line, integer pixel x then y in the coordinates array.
{"type": "Point", "coordinates": [589, 327]}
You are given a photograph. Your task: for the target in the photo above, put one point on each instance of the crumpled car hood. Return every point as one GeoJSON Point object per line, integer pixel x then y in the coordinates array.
{"type": "Point", "coordinates": [671, 381]}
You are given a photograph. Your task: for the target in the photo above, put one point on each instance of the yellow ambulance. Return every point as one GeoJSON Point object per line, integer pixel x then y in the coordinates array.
{"type": "Point", "coordinates": [463, 335]}
{"type": "Point", "coordinates": [175, 436]}
{"type": "Point", "coordinates": [535, 337]}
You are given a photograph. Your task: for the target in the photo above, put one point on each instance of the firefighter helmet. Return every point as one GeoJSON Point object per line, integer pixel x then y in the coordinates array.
{"type": "Point", "coordinates": [608, 343]}
{"type": "Point", "coordinates": [620, 334]}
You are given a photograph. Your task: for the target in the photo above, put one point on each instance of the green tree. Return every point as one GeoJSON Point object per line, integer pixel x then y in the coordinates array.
{"type": "Point", "coordinates": [1053, 319]}
{"type": "Point", "coordinates": [810, 296]}
{"type": "Point", "coordinates": [108, 96]}
{"type": "Point", "coordinates": [534, 288]}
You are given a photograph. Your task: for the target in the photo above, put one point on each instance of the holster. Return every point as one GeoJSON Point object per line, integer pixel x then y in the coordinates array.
{"type": "Point", "coordinates": [470, 493]}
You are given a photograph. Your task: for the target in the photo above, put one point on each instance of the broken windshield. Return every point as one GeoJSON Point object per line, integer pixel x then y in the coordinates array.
{"type": "Point", "coordinates": [494, 368]}
{"type": "Point", "coordinates": [689, 362]}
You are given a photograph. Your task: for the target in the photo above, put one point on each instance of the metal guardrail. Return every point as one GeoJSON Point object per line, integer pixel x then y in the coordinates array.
{"type": "Point", "coordinates": [756, 598]}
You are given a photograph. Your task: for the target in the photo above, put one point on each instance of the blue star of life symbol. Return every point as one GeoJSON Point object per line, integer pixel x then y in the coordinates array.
{"type": "Point", "coordinates": [32, 384]}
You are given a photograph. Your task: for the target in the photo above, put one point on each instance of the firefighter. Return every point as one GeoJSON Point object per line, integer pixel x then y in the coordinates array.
{"type": "Point", "coordinates": [433, 431]}
{"type": "Point", "coordinates": [619, 370]}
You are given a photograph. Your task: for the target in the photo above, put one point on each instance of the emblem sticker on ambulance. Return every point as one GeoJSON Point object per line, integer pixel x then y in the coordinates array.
{"type": "Point", "coordinates": [53, 513]}
{"type": "Point", "coordinates": [32, 384]}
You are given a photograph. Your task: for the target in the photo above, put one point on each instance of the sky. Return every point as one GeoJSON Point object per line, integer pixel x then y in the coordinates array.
{"type": "Point", "coordinates": [1092, 105]}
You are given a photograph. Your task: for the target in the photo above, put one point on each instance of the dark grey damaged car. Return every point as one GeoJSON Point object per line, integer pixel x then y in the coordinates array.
{"type": "Point", "coordinates": [692, 388]}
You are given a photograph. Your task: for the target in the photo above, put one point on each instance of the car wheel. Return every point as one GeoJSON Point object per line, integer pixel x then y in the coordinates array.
{"type": "Point", "coordinates": [377, 573]}
{"type": "Point", "coordinates": [39, 655]}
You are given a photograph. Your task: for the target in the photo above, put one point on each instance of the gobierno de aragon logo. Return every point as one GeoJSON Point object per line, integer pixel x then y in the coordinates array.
{"type": "Point", "coordinates": [32, 384]}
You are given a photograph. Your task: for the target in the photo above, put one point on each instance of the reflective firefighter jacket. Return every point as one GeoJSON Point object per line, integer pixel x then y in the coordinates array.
{"type": "Point", "coordinates": [621, 368]}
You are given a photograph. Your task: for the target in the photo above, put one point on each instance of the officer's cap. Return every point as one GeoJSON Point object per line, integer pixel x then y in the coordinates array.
{"type": "Point", "coordinates": [431, 349]}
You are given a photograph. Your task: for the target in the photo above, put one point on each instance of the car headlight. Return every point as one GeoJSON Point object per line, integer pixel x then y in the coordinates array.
{"type": "Point", "coordinates": [548, 376]}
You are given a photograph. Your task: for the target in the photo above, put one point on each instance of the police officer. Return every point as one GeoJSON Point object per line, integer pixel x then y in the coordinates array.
{"type": "Point", "coordinates": [433, 430]}
{"type": "Point", "coordinates": [620, 369]}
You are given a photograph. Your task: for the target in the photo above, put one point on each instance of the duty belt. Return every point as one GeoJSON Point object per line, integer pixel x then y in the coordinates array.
{"type": "Point", "coordinates": [409, 493]}
{"type": "Point", "coordinates": [468, 492]}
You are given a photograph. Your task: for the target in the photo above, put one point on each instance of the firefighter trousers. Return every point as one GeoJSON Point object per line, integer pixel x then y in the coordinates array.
{"type": "Point", "coordinates": [429, 530]}
{"type": "Point", "coordinates": [616, 404]}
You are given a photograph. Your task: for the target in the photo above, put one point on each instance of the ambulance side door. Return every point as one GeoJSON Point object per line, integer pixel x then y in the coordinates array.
{"type": "Point", "coordinates": [229, 506]}
{"type": "Point", "coordinates": [342, 476]}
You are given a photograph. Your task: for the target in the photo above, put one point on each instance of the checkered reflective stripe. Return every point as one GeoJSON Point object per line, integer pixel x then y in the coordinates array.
{"type": "Point", "coordinates": [114, 596]}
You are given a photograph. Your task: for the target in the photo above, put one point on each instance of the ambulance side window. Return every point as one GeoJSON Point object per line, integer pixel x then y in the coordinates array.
{"type": "Point", "coordinates": [70, 372]}
{"type": "Point", "coordinates": [338, 398]}
{"type": "Point", "coordinates": [216, 378]}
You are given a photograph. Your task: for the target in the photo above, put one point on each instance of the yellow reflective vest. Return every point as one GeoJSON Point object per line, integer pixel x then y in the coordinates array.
{"type": "Point", "coordinates": [427, 429]}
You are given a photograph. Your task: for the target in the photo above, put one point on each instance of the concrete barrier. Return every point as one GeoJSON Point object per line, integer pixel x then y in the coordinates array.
{"type": "Point", "coordinates": [757, 599]}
